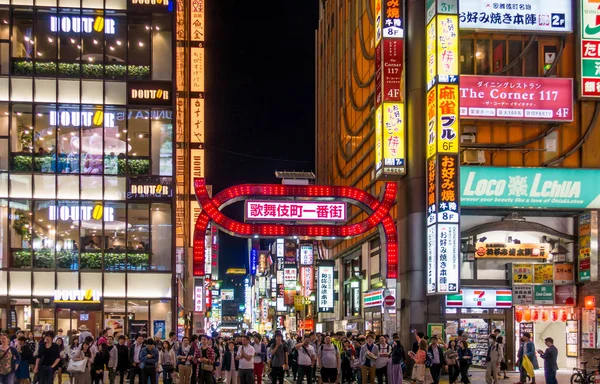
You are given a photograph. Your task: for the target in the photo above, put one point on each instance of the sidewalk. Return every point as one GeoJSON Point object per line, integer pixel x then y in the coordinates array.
{"type": "Point", "coordinates": [478, 377]}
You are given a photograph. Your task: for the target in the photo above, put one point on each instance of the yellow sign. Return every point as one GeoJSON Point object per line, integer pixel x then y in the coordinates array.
{"type": "Point", "coordinates": [99, 24]}
{"type": "Point", "coordinates": [379, 138]}
{"type": "Point", "coordinates": [431, 122]}
{"type": "Point", "coordinates": [298, 302]}
{"type": "Point", "coordinates": [447, 46]}
{"type": "Point", "coordinates": [430, 38]}
{"type": "Point", "coordinates": [236, 271]}
{"type": "Point", "coordinates": [393, 135]}
{"type": "Point", "coordinates": [77, 296]}
{"type": "Point", "coordinates": [447, 114]}
{"type": "Point", "coordinates": [522, 273]}
{"type": "Point", "coordinates": [543, 273]}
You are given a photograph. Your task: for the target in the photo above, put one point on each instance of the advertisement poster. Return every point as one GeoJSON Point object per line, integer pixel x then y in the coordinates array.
{"type": "Point", "coordinates": [516, 98]}
{"type": "Point", "coordinates": [325, 293]}
{"type": "Point", "coordinates": [523, 294]}
{"type": "Point", "coordinates": [543, 273]}
{"type": "Point", "coordinates": [526, 327]}
{"type": "Point", "coordinates": [306, 254]}
{"type": "Point", "coordinates": [393, 138]}
{"type": "Point", "coordinates": [563, 274]}
{"type": "Point", "coordinates": [114, 326]}
{"type": "Point", "coordinates": [159, 329]}
{"type": "Point", "coordinates": [539, 16]}
{"type": "Point", "coordinates": [585, 246]}
{"type": "Point", "coordinates": [543, 294]}
{"type": "Point", "coordinates": [588, 329]}
{"type": "Point", "coordinates": [137, 327]}
{"type": "Point", "coordinates": [531, 188]}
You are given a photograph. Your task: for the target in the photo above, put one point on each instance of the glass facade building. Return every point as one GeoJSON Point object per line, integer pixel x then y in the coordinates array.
{"type": "Point", "coordinates": [86, 165]}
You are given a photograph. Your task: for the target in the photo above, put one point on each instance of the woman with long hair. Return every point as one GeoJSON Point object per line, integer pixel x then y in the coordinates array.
{"type": "Point", "coordinates": [394, 368]}
{"type": "Point", "coordinates": [166, 359]}
{"type": "Point", "coordinates": [452, 362]}
{"type": "Point", "coordinates": [465, 359]}
{"type": "Point", "coordinates": [22, 374]}
{"type": "Point", "coordinates": [83, 353]}
{"type": "Point", "coordinates": [100, 360]}
{"type": "Point", "coordinates": [63, 356]}
{"type": "Point", "coordinates": [10, 359]}
{"type": "Point", "coordinates": [420, 372]}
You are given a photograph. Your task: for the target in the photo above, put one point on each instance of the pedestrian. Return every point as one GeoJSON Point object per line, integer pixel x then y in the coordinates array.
{"type": "Point", "coordinates": [101, 359]}
{"type": "Point", "coordinates": [122, 358]}
{"type": "Point", "coordinates": [550, 365]}
{"type": "Point", "coordinates": [279, 359]}
{"type": "Point", "coordinates": [219, 348]}
{"type": "Point", "coordinates": [329, 361]}
{"type": "Point", "coordinates": [113, 359]}
{"type": "Point", "coordinates": [134, 357]}
{"type": "Point", "coordinates": [173, 341]}
{"type": "Point", "coordinates": [395, 371]}
{"type": "Point", "coordinates": [347, 358]}
{"type": "Point", "coordinates": [84, 333]}
{"type": "Point", "coordinates": [260, 356]}
{"type": "Point", "coordinates": [381, 364]}
{"type": "Point", "coordinates": [245, 356]}
{"type": "Point", "coordinates": [420, 373]}
{"type": "Point", "coordinates": [230, 364]}
{"type": "Point", "coordinates": [451, 356]}
{"type": "Point", "coordinates": [465, 359]}
{"type": "Point", "coordinates": [149, 360]}
{"type": "Point", "coordinates": [527, 349]}
{"type": "Point", "coordinates": [22, 372]}
{"type": "Point", "coordinates": [185, 359]}
{"type": "Point", "coordinates": [47, 359]}
{"type": "Point", "coordinates": [10, 359]}
{"type": "Point", "coordinates": [60, 367]}
{"type": "Point", "coordinates": [306, 359]}
{"type": "Point", "coordinates": [205, 361]}
{"type": "Point", "coordinates": [368, 356]}
{"type": "Point", "coordinates": [83, 353]}
{"type": "Point", "coordinates": [167, 362]}
{"type": "Point", "coordinates": [493, 358]}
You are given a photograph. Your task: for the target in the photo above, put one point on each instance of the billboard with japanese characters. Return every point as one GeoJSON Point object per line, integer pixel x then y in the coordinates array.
{"type": "Point", "coordinates": [521, 16]}
{"type": "Point", "coordinates": [516, 98]}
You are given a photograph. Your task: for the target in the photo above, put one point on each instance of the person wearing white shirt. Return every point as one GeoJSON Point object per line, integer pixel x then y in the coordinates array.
{"type": "Point", "coordinates": [306, 359]}
{"type": "Point", "coordinates": [245, 355]}
{"type": "Point", "coordinates": [382, 360]}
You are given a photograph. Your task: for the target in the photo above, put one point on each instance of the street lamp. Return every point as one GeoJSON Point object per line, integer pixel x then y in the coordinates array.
{"type": "Point", "coordinates": [559, 252]}
{"type": "Point", "coordinates": [468, 252]}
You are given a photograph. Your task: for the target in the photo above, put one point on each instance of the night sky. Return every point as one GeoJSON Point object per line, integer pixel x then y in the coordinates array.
{"type": "Point", "coordinates": [259, 97]}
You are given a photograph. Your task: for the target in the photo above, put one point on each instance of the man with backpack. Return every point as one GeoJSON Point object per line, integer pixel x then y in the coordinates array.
{"type": "Point", "coordinates": [328, 358]}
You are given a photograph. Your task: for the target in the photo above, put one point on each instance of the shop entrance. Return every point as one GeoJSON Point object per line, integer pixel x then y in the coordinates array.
{"type": "Point", "coordinates": [71, 319]}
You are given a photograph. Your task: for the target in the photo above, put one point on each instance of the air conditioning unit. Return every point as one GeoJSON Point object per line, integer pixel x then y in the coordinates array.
{"type": "Point", "coordinates": [473, 157]}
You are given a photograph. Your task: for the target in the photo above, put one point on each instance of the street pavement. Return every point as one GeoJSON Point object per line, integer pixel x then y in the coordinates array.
{"type": "Point", "coordinates": [478, 377]}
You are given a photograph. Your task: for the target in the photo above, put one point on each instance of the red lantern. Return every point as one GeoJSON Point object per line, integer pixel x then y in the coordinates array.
{"type": "Point", "coordinates": [527, 314]}
{"type": "Point", "coordinates": [535, 315]}
{"type": "Point", "coordinates": [554, 315]}
{"type": "Point", "coordinates": [563, 316]}
{"type": "Point", "coordinates": [519, 315]}
{"type": "Point", "coordinates": [544, 315]}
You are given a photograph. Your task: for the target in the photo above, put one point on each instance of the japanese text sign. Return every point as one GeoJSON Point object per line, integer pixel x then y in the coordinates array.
{"type": "Point", "coordinates": [563, 274]}
{"type": "Point", "coordinates": [389, 70]}
{"type": "Point", "coordinates": [306, 254]}
{"type": "Point", "coordinates": [522, 273]}
{"type": "Point", "coordinates": [448, 189]}
{"type": "Point", "coordinates": [543, 294]}
{"type": "Point", "coordinates": [325, 287]}
{"type": "Point", "coordinates": [590, 48]}
{"type": "Point", "coordinates": [523, 294]}
{"type": "Point", "coordinates": [431, 191]}
{"type": "Point", "coordinates": [516, 98]}
{"type": "Point", "coordinates": [512, 251]}
{"type": "Point", "coordinates": [447, 48]}
{"type": "Point", "coordinates": [392, 19]}
{"type": "Point", "coordinates": [430, 52]}
{"type": "Point", "coordinates": [521, 16]}
{"type": "Point", "coordinates": [431, 122]}
{"type": "Point", "coordinates": [295, 211]}
{"type": "Point", "coordinates": [379, 139]}
{"type": "Point", "coordinates": [447, 114]}
{"type": "Point", "coordinates": [448, 249]}
{"type": "Point", "coordinates": [307, 277]}
{"type": "Point", "coordinates": [393, 138]}
{"type": "Point", "coordinates": [431, 259]}
{"type": "Point", "coordinates": [289, 278]}
{"type": "Point", "coordinates": [543, 274]}
{"type": "Point", "coordinates": [197, 20]}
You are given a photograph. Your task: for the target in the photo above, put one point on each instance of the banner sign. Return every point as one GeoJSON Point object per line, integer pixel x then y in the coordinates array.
{"type": "Point", "coordinates": [520, 16]}
{"type": "Point", "coordinates": [563, 274]}
{"type": "Point", "coordinates": [511, 251]}
{"type": "Point", "coordinates": [393, 139]}
{"type": "Point", "coordinates": [480, 298]}
{"type": "Point", "coordinates": [588, 328]}
{"type": "Point", "coordinates": [149, 93]}
{"type": "Point", "coordinates": [543, 274]}
{"type": "Point", "coordinates": [279, 211]}
{"type": "Point", "coordinates": [150, 188]}
{"type": "Point", "coordinates": [533, 188]}
{"type": "Point", "coordinates": [543, 294]}
{"type": "Point", "coordinates": [516, 98]}
{"type": "Point", "coordinates": [589, 44]}
{"type": "Point", "coordinates": [587, 259]}
{"type": "Point", "coordinates": [523, 294]}
{"type": "Point", "coordinates": [522, 273]}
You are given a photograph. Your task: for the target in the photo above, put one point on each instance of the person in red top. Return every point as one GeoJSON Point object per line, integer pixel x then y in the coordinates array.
{"type": "Point", "coordinates": [205, 361]}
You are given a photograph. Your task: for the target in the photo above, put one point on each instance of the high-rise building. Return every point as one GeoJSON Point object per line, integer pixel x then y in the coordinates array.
{"type": "Point", "coordinates": [87, 148]}
{"type": "Point", "coordinates": [495, 106]}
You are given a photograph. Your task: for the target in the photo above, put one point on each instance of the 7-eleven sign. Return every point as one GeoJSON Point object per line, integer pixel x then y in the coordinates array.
{"type": "Point", "coordinates": [480, 298]}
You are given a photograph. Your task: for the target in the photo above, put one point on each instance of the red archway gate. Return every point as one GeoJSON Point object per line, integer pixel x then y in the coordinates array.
{"type": "Point", "coordinates": [378, 211]}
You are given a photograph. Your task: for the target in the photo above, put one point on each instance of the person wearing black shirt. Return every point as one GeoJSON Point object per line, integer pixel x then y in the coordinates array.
{"type": "Point", "coordinates": [122, 358]}
{"type": "Point", "coordinates": [47, 359]}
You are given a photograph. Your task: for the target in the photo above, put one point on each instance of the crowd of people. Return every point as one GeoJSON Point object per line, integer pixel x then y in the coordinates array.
{"type": "Point", "coordinates": [318, 358]}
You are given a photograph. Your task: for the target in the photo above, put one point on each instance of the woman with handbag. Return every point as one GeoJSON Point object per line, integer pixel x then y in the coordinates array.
{"type": "Point", "coordinates": [205, 360]}
{"type": "Point", "coordinates": [420, 372]}
{"type": "Point", "coordinates": [166, 359]}
{"type": "Point", "coordinates": [80, 364]}
{"type": "Point", "coordinates": [10, 359]}
{"type": "Point", "coordinates": [452, 362]}
{"type": "Point", "coordinates": [465, 359]}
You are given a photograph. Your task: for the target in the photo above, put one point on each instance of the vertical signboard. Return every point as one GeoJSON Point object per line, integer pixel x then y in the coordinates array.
{"type": "Point", "coordinates": [325, 297]}
{"type": "Point", "coordinates": [442, 151]}
{"type": "Point", "coordinates": [180, 118]}
{"type": "Point", "coordinates": [588, 246]}
{"type": "Point", "coordinates": [588, 328]}
{"type": "Point", "coordinates": [589, 48]}
{"type": "Point", "coordinates": [389, 91]}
